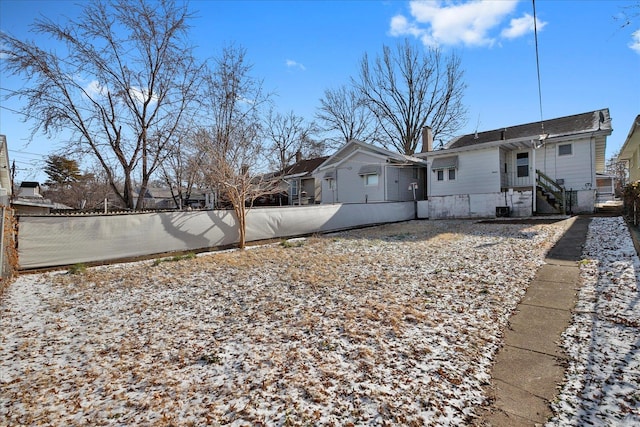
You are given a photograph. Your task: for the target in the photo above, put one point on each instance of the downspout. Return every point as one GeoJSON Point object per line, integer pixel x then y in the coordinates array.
{"type": "Point", "coordinates": [384, 181]}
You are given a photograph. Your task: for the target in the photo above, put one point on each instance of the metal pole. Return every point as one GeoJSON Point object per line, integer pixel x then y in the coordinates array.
{"type": "Point", "coordinates": [534, 195]}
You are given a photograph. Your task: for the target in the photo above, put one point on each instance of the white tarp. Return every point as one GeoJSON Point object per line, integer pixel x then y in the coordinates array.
{"type": "Point", "coordinates": [47, 241]}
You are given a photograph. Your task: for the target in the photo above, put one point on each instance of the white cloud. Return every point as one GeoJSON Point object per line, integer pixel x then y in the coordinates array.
{"type": "Point", "coordinates": [635, 41]}
{"type": "Point", "coordinates": [521, 26]}
{"type": "Point", "coordinates": [95, 89]}
{"type": "Point", "coordinates": [469, 23]}
{"type": "Point", "coordinates": [293, 64]}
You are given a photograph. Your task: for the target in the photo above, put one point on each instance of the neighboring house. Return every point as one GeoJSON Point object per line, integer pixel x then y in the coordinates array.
{"type": "Point", "coordinates": [630, 151]}
{"type": "Point", "coordinates": [605, 188]}
{"type": "Point", "coordinates": [499, 172]}
{"type": "Point", "coordinates": [157, 198]}
{"type": "Point", "coordinates": [162, 198]}
{"type": "Point", "coordinates": [5, 173]}
{"type": "Point", "coordinates": [302, 187]}
{"type": "Point", "coordinates": [363, 173]}
{"type": "Point", "coordinates": [30, 201]}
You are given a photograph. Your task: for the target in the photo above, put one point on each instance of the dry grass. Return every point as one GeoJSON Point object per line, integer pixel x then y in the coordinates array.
{"type": "Point", "coordinates": [394, 324]}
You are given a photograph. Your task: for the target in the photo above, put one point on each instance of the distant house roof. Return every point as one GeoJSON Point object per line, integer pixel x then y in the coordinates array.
{"type": "Point", "coordinates": [562, 126]}
{"type": "Point", "coordinates": [30, 184]}
{"type": "Point", "coordinates": [355, 145]}
{"type": "Point", "coordinates": [303, 167]}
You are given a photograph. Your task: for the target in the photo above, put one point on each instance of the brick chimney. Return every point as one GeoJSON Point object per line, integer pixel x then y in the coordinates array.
{"type": "Point", "coordinates": [298, 156]}
{"type": "Point", "coordinates": [427, 140]}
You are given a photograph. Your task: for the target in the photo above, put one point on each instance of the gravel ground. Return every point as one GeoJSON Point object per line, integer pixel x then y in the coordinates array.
{"type": "Point", "coordinates": [391, 325]}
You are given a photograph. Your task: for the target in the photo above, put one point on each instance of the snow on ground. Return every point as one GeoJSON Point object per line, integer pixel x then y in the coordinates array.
{"type": "Point", "coordinates": [603, 342]}
{"type": "Point", "coordinates": [395, 324]}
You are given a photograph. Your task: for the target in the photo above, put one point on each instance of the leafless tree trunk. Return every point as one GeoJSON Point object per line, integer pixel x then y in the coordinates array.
{"type": "Point", "coordinates": [344, 111]}
{"type": "Point", "coordinates": [289, 135]}
{"type": "Point", "coordinates": [231, 148]}
{"type": "Point", "coordinates": [408, 88]}
{"type": "Point", "coordinates": [181, 168]}
{"type": "Point", "coordinates": [122, 86]}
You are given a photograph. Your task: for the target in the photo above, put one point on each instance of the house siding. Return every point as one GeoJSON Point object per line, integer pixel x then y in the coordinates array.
{"type": "Point", "coordinates": [350, 186]}
{"type": "Point", "coordinates": [574, 169]}
{"type": "Point", "coordinates": [478, 172]}
{"type": "Point", "coordinates": [399, 181]}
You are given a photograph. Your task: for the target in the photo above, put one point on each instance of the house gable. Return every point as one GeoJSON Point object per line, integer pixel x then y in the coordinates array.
{"type": "Point", "coordinates": [363, 173]}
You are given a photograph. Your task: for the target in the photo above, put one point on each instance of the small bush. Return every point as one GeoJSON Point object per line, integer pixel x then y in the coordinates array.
{"type": "Point", "coordinates": [292, 243]}
{"type": "Point", "coordinates": [79, 268]}
{"type": "Point", "coordinates": [159, 261]}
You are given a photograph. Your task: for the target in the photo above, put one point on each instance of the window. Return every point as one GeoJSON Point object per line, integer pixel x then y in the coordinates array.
{"type": "Point", "coordinates": [440, 174]}
{"type": "Point", "coordinates": [370, 180]}
{"type": "Point", "coordinates": [294, 188]}
{"type": "Point", "coordinates": [522, 164]}
{"type": "Point", "coordinates": [565, 150]}
{"type": "Point", "coordinates": [452, 174]}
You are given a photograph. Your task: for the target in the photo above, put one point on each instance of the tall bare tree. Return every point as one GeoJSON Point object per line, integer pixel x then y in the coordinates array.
{"type": "Point", "coordinates": [408, 88]}
{"type": "Point", "coordinates": [231, 148]}
{"type": "Point", "coordinates": [343, 111]}
{"type": "Point", "coordinates": [290, 134]}
{"type": "Point", "coordinates": [121, 83]}
{"type": "Point", "coordinates": [181, 167]}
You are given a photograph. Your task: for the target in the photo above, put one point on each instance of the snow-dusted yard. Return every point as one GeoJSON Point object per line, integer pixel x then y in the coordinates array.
{"type": "Point", "coordinates": [603, 378]}
{"type": "Point", "coordinates": [394, 325]}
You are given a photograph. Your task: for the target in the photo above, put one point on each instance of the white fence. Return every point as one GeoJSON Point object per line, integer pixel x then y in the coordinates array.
{"type": "Point", "coordinates": [49, 241]}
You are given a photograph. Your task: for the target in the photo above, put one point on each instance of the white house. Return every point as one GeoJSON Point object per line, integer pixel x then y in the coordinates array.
{"type": "Point", "coordinates": [499, 171]}
{"type": "Point", "coordinates": [363, 173]}
{"type": "Point", "coordinates": [630, 151]}
{"type": "Point", "coordinates": [5, 173]}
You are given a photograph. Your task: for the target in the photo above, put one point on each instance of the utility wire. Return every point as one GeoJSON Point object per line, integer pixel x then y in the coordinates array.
{"type": "Point", "coordinates": [535, 32]}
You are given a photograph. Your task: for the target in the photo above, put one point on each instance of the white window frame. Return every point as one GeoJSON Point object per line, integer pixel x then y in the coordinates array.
{"type": "Point", "coordinates": [528, 165]}
{"type": "Point", "coordinates": [369, 180]}
{"type": "Point", "coordinates": [570, 153]}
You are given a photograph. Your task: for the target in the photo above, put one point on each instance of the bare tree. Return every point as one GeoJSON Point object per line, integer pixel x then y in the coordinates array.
{"type": "Point", "coordinates": [289, 135]}
{"type": "Point", "coordinates": [409, 88]}
{"type": "Point", "coordinates": [87, 191]}
{"type": "Point", "coordinates": [618, 169]}
{"type": "Point", "coordinates": [345, 112]}
{"type": "Point", "coordinates": [231, 149]}
{"type": "Point", "coordinates": [122, 84]}
{"type": "Point", "coordinates": [181, 168]}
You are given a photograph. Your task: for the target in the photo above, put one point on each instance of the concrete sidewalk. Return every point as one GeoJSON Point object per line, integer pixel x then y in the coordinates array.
{"type": "Point", "coordinates": [530, 366]}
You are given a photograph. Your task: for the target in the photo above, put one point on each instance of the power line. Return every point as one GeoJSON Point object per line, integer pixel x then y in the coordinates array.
{"type": "Point", "coordinates": [535, 31]}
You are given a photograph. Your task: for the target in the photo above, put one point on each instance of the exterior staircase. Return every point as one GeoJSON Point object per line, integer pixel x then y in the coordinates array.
{"type": "Point", "coordinates": [551, 192]}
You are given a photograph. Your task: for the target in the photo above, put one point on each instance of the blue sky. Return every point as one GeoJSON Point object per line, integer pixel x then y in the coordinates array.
{"type": "Point", "coordinates": [299, 49]}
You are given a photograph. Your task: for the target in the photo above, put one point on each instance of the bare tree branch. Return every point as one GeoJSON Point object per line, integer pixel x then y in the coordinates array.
{"type": "Point", "coordinates": [407, 89]}
{"type": "Point", "coordinates": [121, 82]}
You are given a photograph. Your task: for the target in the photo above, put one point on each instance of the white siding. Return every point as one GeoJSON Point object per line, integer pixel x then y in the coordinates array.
{"type": "Point", "coordinates": [478, 172]}
{"type": "Point", "coordinates": [576, 170]}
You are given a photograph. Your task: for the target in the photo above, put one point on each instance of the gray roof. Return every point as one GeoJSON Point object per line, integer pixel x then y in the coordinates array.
{"type": "Point", "coordinates": [562, 126]}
